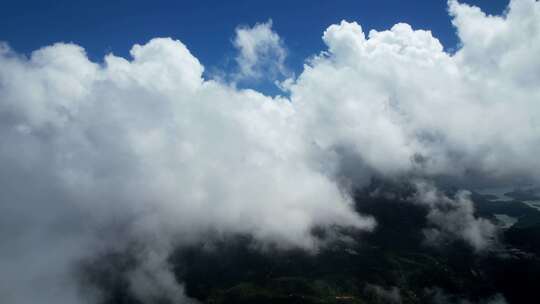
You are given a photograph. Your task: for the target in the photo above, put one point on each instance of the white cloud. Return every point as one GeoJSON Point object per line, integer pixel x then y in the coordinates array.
{"type": "Point", "coordinates": [395, 97]}
{"type": "Point", "coordinates": [454, 219]}
{"type": "Point", "coordinates": [149, 143]}
{"type": "Point", "coordinates": [261, 52]}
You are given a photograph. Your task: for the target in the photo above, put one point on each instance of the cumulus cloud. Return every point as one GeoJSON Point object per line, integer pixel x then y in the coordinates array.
{"type": "Point", "coordinates": [261, 52]}
{"type": "Point", "coordinates": [401, 105]}
{"type": "Point", "coordinates": [148, 145]}
{"type": "Point", "coordinates": [152, 145]}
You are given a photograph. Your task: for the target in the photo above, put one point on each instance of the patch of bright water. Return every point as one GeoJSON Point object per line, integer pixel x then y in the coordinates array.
{"type": "Point", "coordinates": [533, 204]}
{"type": "Point", "coordinates": [505, 221]}
{"type": "Point", "coordinates": [498, 192]}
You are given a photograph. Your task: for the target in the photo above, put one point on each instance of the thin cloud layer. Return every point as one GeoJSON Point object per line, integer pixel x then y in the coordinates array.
{"type": "Point", "coordinates": [150, 146]}
{"type": "Point", "coordinates": [454, 219]}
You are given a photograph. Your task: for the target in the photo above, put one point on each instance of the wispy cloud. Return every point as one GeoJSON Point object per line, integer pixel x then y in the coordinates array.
{"type": "Point", "coordinates": [261, 53]}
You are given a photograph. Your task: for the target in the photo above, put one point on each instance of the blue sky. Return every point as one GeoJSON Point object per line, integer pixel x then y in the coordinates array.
{"type": "Point", "coordinates": [207, 27]}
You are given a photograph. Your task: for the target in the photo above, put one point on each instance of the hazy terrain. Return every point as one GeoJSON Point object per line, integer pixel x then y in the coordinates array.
{"type": "Point", "coordinates": [393, 264]}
